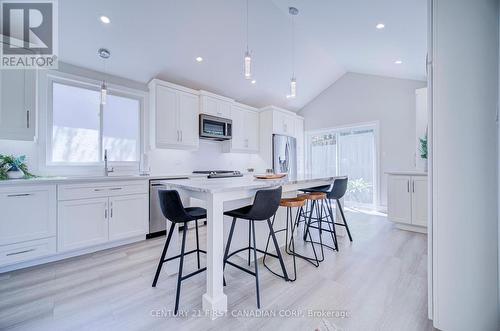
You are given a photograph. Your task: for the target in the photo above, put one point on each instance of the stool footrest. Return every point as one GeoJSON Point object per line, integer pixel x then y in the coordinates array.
{"type": "Point", "coordinates": [186, 253]}
{"type": "Point", "coordinates": [193, 273]}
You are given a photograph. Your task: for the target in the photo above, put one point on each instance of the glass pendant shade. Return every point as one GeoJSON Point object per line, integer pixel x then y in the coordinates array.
{"type": "Point", "coordinates": [293, 88]}
{"type": "Point", "coordinates": [104, 92]}
{"type": "Point", "coordinates": [248, 65]}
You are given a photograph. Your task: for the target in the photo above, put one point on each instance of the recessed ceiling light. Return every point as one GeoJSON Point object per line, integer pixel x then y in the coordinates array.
{"type": "Point", "coordinates": [254, 81]}
{"type": "Point", "coordinates": [380, 26]}
{"type": "Point", "coordinates": [398, 62]}
{"type": "Point", "coordinates": [105, 19]}
{"type": "Point", "coordinates": [199, 59]}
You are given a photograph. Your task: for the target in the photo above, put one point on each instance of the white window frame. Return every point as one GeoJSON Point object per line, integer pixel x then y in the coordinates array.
{"type": "Point", "coordinates": [375, 125]}
{"type": "Point", "coordinates": [46, 124]}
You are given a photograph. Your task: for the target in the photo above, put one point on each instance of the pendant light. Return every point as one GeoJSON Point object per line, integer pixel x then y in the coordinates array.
{"type": "Point", "coordinates": [248, 57]}
{"type": "Point", "coordinates": [104, 54]}
{"type": "Point", "coordinates": [293, 82]}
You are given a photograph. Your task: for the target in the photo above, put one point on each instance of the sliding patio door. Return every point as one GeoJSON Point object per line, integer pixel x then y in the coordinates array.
{"type": "Point", "coordinates": [348, 151]}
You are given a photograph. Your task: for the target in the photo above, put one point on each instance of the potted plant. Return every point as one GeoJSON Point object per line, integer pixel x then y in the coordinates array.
{"type": "Point", "coordinates": [423, 150]}
{"type": "Point", "coordinates": [12, 167]}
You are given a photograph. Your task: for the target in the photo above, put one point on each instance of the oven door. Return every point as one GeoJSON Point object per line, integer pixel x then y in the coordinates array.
{"type": "Point", "coordinates": [215, 128]}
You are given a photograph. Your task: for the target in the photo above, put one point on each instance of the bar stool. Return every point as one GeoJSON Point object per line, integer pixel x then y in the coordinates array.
{"type": "Point", "coordinates": [174, 211]}
{"type": "Point", "coordinates": [265, 205]}
{"type": "Point", "coordinates": [323, 215]}
{"type": "Point", "coordinates": [289, 203]}
{"type": "Point", "coordinates": [336, 191]}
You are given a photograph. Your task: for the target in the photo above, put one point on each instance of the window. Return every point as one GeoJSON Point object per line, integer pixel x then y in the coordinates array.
{"type": "Point", "coordinates": [82, 128]}
{"type": "Point", "coordinates": [347, 151]}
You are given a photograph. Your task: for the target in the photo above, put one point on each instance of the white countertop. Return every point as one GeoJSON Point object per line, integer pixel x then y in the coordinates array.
{"type": "Point", "coordinates": [407, 173]}
{"type": "Point", "coordinates": [248, 182]}
{"type": "Point", "coordinates": [91, 179]}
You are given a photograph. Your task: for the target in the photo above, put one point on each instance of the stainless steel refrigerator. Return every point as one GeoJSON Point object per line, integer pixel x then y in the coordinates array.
{"type": "Point", "coordinates": [285, 155]}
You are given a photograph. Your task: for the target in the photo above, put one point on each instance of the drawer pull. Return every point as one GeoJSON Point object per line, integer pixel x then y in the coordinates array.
{"type": "Point", "coordinates": [115, 188]}
{"type": "Point", "coordinates": [21, 252]}
{"type": "Point", "coordinates": [19, 195]}
{"type": "Point", "coordinates": [99, 189]}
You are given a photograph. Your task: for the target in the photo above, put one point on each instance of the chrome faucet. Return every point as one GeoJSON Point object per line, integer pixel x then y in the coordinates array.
{"type": "Point", "coordinates": [107, 171]}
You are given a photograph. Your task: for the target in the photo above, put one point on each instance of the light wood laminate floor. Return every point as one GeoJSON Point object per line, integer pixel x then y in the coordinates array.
{"type": "Point", "coordinates": [379, 281]}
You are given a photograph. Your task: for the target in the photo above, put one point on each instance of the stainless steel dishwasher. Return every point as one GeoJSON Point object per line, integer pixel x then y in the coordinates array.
{"type": "Point", "coordinates": [157, 222]}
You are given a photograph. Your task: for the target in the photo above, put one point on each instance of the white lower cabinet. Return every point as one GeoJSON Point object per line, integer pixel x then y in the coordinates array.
{"type": "Point", "coordinates": [102, 213]}
{"type": "Point", "coordinates": [82, 223]}
{"type": "Point", "coordinates": [27, 213]}
{"type": "Point", "coordinates": [128, 216]}
{"type": "Point", "coordinates": [407, 200]}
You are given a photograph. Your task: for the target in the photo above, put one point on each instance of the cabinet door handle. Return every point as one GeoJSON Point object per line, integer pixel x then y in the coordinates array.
{"type": "Point", "coordinates": [21, 252]}
{"type": "Point", "coordinates": [106, 212]}
{"type": "Point", "coordinates": [28, 119]}
{"type": "Point", "coordinates": [19, 195]}
{"type": "Point", "coordinates": [413, 184]}
{"type": "Point", "coordinates": [408, 186]}
{"type": "Point", "coordinates": [111, 210]}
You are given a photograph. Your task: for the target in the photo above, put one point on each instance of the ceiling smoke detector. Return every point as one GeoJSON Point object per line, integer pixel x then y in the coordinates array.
{"type": "Point", "coordinates": [104, 53]}
{"type": "Point", "coordinates": [293, 11]}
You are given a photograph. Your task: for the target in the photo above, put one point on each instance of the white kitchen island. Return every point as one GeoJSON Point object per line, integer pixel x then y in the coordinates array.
{"type": "Point", "coordinates": [215, 193]}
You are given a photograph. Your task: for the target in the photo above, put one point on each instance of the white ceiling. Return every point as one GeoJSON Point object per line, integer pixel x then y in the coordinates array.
{"type": "Point", "coordinates": [162, 38]}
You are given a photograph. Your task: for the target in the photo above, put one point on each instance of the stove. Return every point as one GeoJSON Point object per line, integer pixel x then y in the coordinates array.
{"type": "Point", "coordinates": [219, 173]}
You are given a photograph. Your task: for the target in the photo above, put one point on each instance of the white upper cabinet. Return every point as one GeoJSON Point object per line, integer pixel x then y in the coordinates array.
{"type": "Point", "coordinates": [17, 104]}
{"type": "Point", "coordinates": [174, 116]}
{"type": "Point", "coordinates": [215, 105]}
{"type": "Point", "coordinates": [284, 123]}
{"type": "Point", "coordinates": [245, 130]}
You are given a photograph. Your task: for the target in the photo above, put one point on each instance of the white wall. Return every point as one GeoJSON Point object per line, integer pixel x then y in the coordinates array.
{"type": "Point", "coordinates": [465, 164]}
{"type": "Point", "coordinates": [209, 155]}
{"type": "Point", "coordinates": [357, 98]}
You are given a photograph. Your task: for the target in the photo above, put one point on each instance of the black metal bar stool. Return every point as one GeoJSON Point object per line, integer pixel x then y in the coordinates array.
{"type": "Point", "coordinates": [336, 191]}
{"type": "Point", "coordinates": [322, 216]}
{"type": "Point", "coordinates": [289, 203]}
{"type": "Point", "coordinates": [174, 211]}
{"type": "Point", "coordinates": [265, 205]}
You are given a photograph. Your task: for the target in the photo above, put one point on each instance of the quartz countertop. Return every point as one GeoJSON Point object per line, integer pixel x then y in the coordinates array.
{"type": "Point", "coordinates": [407, 173]}
{"type": "Point", "coordinates": [91, 179]}
{"type": "Point", "coordinates": [248, 182]}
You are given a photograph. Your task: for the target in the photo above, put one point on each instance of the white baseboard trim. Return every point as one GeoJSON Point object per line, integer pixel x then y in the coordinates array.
{"type": "Point", "coordinates": [66, 255]}
{"type": "Point", "coordinates": [413, 228]}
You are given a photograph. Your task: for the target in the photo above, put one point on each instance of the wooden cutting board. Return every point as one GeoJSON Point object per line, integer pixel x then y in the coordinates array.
{"type": "Point", "coordinates": [271, 176]}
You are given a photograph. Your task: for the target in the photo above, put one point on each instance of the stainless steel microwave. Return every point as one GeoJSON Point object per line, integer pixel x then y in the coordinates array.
{"type": "Point", "coordinates": [215, 128]}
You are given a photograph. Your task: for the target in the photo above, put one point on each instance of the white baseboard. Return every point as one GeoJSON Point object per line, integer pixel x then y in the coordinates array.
{"type": "Point", "coordinates": [65, 255]}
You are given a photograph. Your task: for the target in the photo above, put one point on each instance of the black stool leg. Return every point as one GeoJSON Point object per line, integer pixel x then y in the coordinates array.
{"type": "Point", "coordinates": [278, 251]}
{"type": "Point", "coordinates": [343, 218]}
{"type": "Point", "coordinates": [307, 223]}
{"type": "Point", "coordinates": [256, 263]}
{"type": "Point", "coordinates": [226, 253]}
{"type": "Point", "coordinates": [249, 240]}
{"type": "Point", "coordinates": [197, 245]}
{"type": "Point", "coordinates": [162, 258]}
{"type": "Point", "coordinates": [332, 228]}
{"type": "Point", "coordinates": [181, 263]}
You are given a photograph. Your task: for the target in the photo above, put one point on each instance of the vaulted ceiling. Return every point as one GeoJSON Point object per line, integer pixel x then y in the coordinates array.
{"type": "Point", "coordinates": [162, 38]}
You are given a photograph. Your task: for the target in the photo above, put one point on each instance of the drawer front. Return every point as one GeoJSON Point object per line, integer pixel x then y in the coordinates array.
{"type": "Point", "coordinates": [28, 250]}
{"type": "Point", "coordinates": [27, 213]}
{"type": "Point", "coordinates": [100, 190]}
